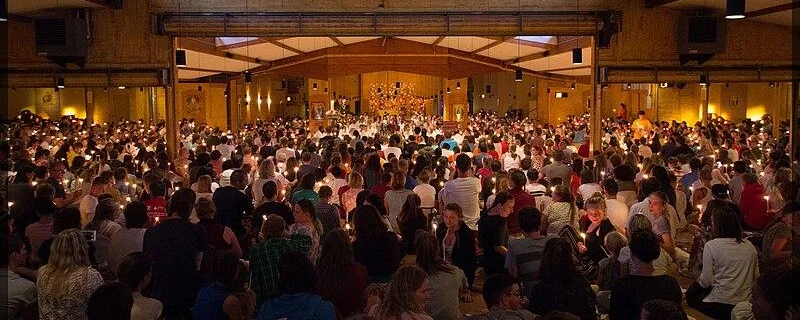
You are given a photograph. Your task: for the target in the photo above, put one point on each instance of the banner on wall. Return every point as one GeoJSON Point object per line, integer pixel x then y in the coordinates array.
{"type": "Point", "coordinates": [47, 103]}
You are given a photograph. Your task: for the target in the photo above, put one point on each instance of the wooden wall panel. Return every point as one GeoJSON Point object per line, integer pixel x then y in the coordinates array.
{"type": "Point", "coordinates": [649, 37]}
{"type": "Point", "coordinates": [121, 39]}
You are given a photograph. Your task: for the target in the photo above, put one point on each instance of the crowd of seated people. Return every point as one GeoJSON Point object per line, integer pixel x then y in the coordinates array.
{"type": "Point", "coordinates": [392, 218]}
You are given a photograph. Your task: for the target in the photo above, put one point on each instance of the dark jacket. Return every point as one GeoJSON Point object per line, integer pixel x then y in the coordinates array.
{"type": "Point", "coordinates": [463, 250]}
{"type": "Point", "coordinates": [575, 296]}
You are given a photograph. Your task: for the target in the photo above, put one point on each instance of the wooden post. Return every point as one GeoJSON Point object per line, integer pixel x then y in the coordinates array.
{"type": "Point", "coordinates": [171, 105]}
{"type": "Point", "coordinates": [704, 105]}
{"type": "Point", "coordinates": [595, 116]}
{"type": "Point", "coordinates": [88, 100]}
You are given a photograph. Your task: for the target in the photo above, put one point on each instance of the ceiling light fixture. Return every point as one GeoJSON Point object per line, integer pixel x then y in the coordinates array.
{"type": "Point", "coordinates": [180, 58]}
{"type": "Point", "coordinates": [734, 9]}
{"type": "Point", "coordinates": [577, 56]}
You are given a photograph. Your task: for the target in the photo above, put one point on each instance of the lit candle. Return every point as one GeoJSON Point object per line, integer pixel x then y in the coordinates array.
{"type": "Point", "coordinates": [264, 217]}
{"type": "Point", "coordinates": [646, 176]}
{"type": "Point", "coordinates": [583, 235]}
{"type": "Point", "coordinates": [347, 226]}
{"type": "Point", "coordinates": [434, 226]}
{"type": "Point", "coordinates": [700, 207]}
{"type": "Point", "coordinates": [766, 198]}
{"type": "Point", "coordinates": [157, 219]}
{"type": "Point", "coordinates": [10, 204]}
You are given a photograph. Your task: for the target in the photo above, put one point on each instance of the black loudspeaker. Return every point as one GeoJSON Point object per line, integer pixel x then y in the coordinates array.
{"type": "Point", "coordinates": [357, 107]}
{"type": "Point", "coordinates": [488, 88]}
{"type": "Point", "coordinates": [680, 85]}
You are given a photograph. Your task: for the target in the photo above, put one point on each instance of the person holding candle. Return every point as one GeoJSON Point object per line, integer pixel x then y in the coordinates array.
{"type": "Point", "coordinates": [596, 227]}
{"type": "Point", "coordinates": [493, 233]}
{"type": "Point", "coordinates": [457, 241]}
{"type": "Point", "coordinates": [753, 204]}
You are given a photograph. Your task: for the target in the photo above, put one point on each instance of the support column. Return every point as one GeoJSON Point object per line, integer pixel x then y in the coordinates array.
{"type": "Point", "coordinates": [171, 112]}
{"type": "Point", "coordinates": [704, 105]}
{"type": "Point", "coordinates": [595, 115]}
{"type": "Point", "coordinates": [794, 123]}
{"type": "Point", "coordinates": [88, 100]}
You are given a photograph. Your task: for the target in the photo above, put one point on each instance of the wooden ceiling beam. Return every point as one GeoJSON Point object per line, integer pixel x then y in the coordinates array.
{"type": "Point", "coordinates": [491, 45]}
{"type": "Point", "coordinates": [337, 41]}
{"type": "Point", "coordinates": [655, 3]}
{"type": "Point", "coordinates": [570, 68]}
{"type": "Point", "coordinates": [242, 44]}
{"type": "Point", "coordinates": [562, 47]}
{"type": "Point", "coordinates": [209, 48]}
{"type": "Point", "coordinates": [370, 54]}
{"type": "Point", "coordinates": [774, 9]}
{"type": "Point", "coordinates": [205, 70]}
{"type": "Point", "coordinates": [438, 41]}
{"type": "Point", "coordinates": [536, 44]}
{"type": "Point", "coordinates": [285, 46]}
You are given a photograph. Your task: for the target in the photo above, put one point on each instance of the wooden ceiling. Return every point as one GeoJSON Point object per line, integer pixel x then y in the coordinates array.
{"type": "Point", "coordinates": [327, 57]}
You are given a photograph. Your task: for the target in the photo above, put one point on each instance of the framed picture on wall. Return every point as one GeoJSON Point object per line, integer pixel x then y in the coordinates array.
{"type": "Point", "coordinates": [318, 110]}
{"type": "Point", "coordinates": [193, 104]}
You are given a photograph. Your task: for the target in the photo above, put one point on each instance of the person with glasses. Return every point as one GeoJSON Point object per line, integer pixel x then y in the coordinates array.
{"type": "Point", "coordinates": [56, 180]}
{"type": "Point", "coordinates": [505, 299]}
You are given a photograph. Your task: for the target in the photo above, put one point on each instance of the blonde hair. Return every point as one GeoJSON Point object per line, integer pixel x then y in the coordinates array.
{"type": "Point", "coordinates": [614, 242]}
{"type": "Point", "coordinates": [597, 201]}
{"type": "Point", "coordinates": [355, 181]}
{"type": "Point", "coordinates": [266, 169]}
{"type": "Point", "coordinates": [399, 296]}
{"type": "Point", "coordinates": [204, 184]}
{"type": "Point", "coordinates": [68, 254]}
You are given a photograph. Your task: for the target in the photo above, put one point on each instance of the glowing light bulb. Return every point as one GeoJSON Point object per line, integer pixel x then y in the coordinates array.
{"type": "Point", "coordinates": [10, 204]}
{"type": "Point", "coordinates": [347, 226]}
{"type": "Point", "coordinates": [434, 226]}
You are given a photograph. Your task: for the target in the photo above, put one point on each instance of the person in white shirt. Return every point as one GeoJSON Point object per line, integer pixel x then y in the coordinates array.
{"type": "Point", "coordinates": [425, 191]}
{"type": "Point", "coordinates": [392, 149]}
{"type": "Point", "coordinates": [135, 272]}
{"type": "Point", "coordinates": [89, 202]}
{"type": "Point", "coordinates": [131, 238]}
{"type": "Point", "coordinates": [224, 148]}
{"type": "Point", "coordinates": [284, 152]}
{"type": "Point", "coordinates": [464, 190]}
{"type": "Point", "coordinates": [644, 149]}
{"type": "Point", "coordinates": [588, 186]}
{"type": "Point", "coordinates": [511, 160]}
{"type": "Point", "coordinates": [730, 267]}
{"type": "Point", "coordinates": [335, 182]}
{"type": "Point", "coordinates": [19, 297]}
{"type": "Point", "coordinates": [534, 187]}
{"type": "Point", "coordinates": [616, 211]}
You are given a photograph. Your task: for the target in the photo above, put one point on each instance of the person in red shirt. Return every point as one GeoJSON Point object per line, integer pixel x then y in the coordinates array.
{"type": "Point", "coordinates": [522, 200]}
{"type": "Point", "coordinates": [752, 204]}
{"type": "Point", "coordinates": [493, 152]}
{"type": "Point", "coordinates": [584, 151]}
{"type": "Point", "coordinates": [381, 188]}
{"type": "Point", "coordinates": [157, 204]}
